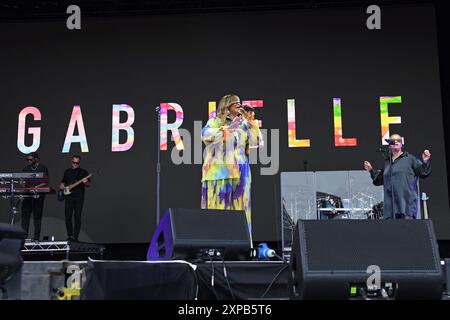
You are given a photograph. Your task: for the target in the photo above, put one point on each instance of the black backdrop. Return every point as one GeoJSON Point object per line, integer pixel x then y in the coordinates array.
{"type": "Point", "coordinates": [311, 56]}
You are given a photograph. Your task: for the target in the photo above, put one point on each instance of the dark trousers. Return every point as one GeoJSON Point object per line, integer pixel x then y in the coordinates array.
{"type": "Point", "coordinates": [35, 206]}
{"type": "Point", "coordinates": [73, 207]}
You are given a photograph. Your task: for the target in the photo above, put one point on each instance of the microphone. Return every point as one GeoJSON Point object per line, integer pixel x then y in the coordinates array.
{"type": "Point", "coordinates": [248, 108]}
{"type": "Point", "coordinates": [390, 142]}
{"type": "Point", "coordinates": [264, 252]}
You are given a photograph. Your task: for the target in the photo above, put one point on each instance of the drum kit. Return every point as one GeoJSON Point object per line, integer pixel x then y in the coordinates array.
{"type": "Point", "coordinates": [331, 207]}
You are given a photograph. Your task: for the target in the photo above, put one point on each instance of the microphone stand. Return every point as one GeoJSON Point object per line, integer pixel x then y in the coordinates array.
{"type": "Point", "coordinates": [13, 207]}
{"type": "Point", "coordinates": [391, 163]}
{"type": "Point", "coordinates": [158, 165]}
{"type": "Point", "coordinates": [13, 204]}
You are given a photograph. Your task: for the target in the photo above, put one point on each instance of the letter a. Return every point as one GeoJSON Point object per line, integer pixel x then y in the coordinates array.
{"type": "Point", "coordinates": [374, 21]}
{"type": "Point", "coordinates": [73, 21]}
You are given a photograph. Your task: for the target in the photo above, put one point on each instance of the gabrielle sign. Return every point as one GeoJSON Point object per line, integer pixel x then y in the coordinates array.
{"type": "Point", "coordinates": [76, 122]}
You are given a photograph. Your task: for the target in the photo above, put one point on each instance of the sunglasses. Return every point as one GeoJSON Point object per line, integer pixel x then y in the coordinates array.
{"type": "Point", "coordinates": [74, 162]}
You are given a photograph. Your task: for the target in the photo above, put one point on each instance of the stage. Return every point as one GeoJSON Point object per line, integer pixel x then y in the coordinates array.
{"type": "Point", "coordinates": [145, 280]}
{"type": "Point", "coordinates": [302, 178]}
{"type": "Point", "coordinates": [331, 259]}
{"type": "Point", "coordinates": [157, 280]}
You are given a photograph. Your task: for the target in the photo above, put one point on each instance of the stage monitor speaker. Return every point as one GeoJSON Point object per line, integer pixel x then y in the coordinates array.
{"type": "Point", "coordinates": [188, 234]}
{"type": "Point", "coordinates": [12, 239]}
{"type": "Point", "coordinates": [365, 259]}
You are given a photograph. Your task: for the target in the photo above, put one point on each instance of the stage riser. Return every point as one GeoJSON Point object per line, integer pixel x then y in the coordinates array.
{"type": "Point", "coordinates": [41, 280]}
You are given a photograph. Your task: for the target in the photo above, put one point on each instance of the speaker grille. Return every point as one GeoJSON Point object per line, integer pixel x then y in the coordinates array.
{"type": "Point", "coordinates": [353, 245]}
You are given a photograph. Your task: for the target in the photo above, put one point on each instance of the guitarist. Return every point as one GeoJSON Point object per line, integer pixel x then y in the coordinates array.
{"type": "Point", "coordinates": [35, 205]}
{"type": "Point", "coordinates": [74, 201]}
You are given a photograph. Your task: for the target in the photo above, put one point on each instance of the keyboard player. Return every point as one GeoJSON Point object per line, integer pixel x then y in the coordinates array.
{"type": "Point", "coordinates": [34, 205]}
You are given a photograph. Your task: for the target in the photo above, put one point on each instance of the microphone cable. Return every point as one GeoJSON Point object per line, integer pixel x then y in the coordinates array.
{"type": "Point", "coordinates": [273, 280]}
{"type": "Point", "coordinates": [212, 278]}
{"type": "Point", "coordinates": [279, 257]}
{"type": "Point", "coordinates": [226, 279]}
{"type": "Point", "coordinates": [196, 283]}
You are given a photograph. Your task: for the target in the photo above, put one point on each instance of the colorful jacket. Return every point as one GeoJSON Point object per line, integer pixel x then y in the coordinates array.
{"type": "Point", "coordinates": [227, 148]}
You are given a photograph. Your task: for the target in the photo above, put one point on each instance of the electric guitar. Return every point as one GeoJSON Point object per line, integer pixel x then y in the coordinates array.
{"type": "Point", "coordinates": [62, 193]}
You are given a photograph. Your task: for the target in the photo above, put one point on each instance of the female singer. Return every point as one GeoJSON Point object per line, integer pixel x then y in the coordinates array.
{"type": "Point", "coordinates": [226, 177]}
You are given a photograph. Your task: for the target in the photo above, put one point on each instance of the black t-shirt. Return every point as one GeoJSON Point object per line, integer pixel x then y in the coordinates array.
{"type": "Point", "coordinates": [40, 168]}
{"type": "Point", "coordinates": [73, 175]}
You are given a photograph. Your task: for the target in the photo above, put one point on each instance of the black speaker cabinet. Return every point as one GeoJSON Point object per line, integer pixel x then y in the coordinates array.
{"type": "Point", "coordinates": [187, 234]}
{"type": "Point", "coordinates": [340, 259]}
{"type": "Point", "coordinates": [11, 241]}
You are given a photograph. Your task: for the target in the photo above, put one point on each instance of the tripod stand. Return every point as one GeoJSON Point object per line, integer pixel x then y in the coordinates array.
{"type": "Point", "coordinates": [14, 199]}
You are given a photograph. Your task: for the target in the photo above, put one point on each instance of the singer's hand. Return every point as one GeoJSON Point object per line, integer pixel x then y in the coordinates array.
{"type": "Point", "coordinates": [251, 117]}
{"type": "Point", "coordinates": [61, 186]}
{"type": "Point", "coordinates": [237, 119]}
{"type": "Point", "coordinates": [426, 155]}
{"type": "Point", "coordinates": [367, 166]}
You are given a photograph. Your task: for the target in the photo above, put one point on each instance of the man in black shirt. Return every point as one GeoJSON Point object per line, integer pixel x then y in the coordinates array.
{"type": "Point", "coordinates": [35, 204]}
{"type": "Point", "coordinates": [399, 178]}
{"type": "Point", "coordinates": [74, 201]}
